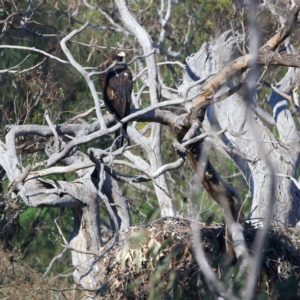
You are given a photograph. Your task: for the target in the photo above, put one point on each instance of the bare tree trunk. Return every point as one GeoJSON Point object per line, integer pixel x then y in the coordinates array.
{"type": "Point", "coordinates": [86, 237]}
{"type": "Point", "coordinates": [247, 140]}
{"type": "Point", "coordinates": [154, 148]}
{"type": "Point", "coordinates": [118, 202]}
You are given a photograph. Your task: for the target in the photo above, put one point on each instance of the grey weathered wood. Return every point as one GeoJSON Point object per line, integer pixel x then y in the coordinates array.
{"type": "Point", "coordinates": [254, 139]}
{"type": "Point", "coordinates": [153, 148]}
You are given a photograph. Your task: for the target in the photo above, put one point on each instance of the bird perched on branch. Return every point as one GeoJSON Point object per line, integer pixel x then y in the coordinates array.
{"type": "Point", "coordinates": [116, 86]}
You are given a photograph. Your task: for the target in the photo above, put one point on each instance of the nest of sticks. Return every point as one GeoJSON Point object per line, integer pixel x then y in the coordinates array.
{"type": "Point", "coordinates": [157, 262]}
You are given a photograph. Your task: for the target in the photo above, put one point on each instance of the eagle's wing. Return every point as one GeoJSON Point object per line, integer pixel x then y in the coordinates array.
{"type": "Point", "coordinates": [119, 88]}
{"type": "Point", "coordinates": [102, 77]}
{"type": "Point", "coordinates": [107, 92]}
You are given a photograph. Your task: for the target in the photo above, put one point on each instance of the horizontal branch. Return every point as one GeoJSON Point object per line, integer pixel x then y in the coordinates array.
{"type": "Point", "coordinates": [80, 251]}
{"type": "Point", "coordinates": [88, 164]}
{"type": "Point", "coordinates": [34, 50]}
{"type": "Point", "coordinates": [236, 67]}
{"type": "Point", "coordinates": [201, 137]}
{"type": "Point", "coordinates": [60, 170]}
{"type": "Point", "coordinates": [121, 63]}
{"type": "Point", "coordinates": [282, 59]}
{"type": "Point", "coordinates": [169, 167]}
{"type": "Point", "coordinates": [96, 135]}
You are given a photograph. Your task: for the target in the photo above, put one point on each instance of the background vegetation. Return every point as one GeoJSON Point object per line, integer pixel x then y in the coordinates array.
{"type": "Point", "coordinates": [32, 239]}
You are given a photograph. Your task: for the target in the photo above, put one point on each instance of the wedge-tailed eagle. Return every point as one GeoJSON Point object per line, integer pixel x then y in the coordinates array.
{"type": "Point", "coordinates": [116, 86]}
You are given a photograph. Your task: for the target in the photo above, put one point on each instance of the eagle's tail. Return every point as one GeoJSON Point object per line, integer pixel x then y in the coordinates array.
{"type": "Point", "coordinates": [120, 132]}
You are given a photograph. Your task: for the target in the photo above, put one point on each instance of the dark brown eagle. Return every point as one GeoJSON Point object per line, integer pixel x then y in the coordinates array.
{"type": "Point", "coordinates": [116, 86]}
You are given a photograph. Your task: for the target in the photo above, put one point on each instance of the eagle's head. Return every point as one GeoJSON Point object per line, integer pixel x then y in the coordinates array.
{"type": "Point", "coordinates": [116, 55]}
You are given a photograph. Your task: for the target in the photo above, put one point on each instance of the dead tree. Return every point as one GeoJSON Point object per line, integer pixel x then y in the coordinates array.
{"type": "Point", "coordinates": [218, 94]}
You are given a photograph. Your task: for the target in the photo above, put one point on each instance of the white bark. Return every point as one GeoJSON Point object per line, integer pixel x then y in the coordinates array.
{"type": "Point", "coordinates": [254, 140]}
{"type": "Point", "coordinates": [80, 195]}
{"type": "Point", "coordinates": [154, 148]}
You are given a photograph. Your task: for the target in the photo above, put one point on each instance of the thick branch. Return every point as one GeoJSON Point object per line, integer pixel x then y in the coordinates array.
{"type": "Point", "coordinates": [239, 65]}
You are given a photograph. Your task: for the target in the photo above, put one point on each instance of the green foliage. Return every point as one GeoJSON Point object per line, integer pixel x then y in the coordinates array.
{"type": "Point", "coordinates": [39, 238]}
{"type": "Point", "coordinates": [61, 90]}
{"type": "Point", "coordinates": [287, 289]}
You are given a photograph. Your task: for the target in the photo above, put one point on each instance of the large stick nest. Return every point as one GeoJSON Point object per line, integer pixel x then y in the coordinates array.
{"type": "Point", "coordinates": [157, 262]}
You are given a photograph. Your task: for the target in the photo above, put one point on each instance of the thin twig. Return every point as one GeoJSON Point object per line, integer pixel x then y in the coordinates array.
{"type": "Point", "coordinates": [60, 232]}
{"type": "Point", "coordinates": [53, 260]}
{"type": "Point", "coordinates": [34, 50]}
{"type": "Point", "coordinates": [57, 142]}
{"type": "Point", "coordinates": [86, 75]}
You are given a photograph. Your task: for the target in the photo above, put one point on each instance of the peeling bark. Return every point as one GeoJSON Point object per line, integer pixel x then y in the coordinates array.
{"type": "Point", "coordinates": [247, 138]}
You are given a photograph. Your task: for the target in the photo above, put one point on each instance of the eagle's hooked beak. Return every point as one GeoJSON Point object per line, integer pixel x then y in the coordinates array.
{"type": "Point", "coordinates": [121, 54]}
